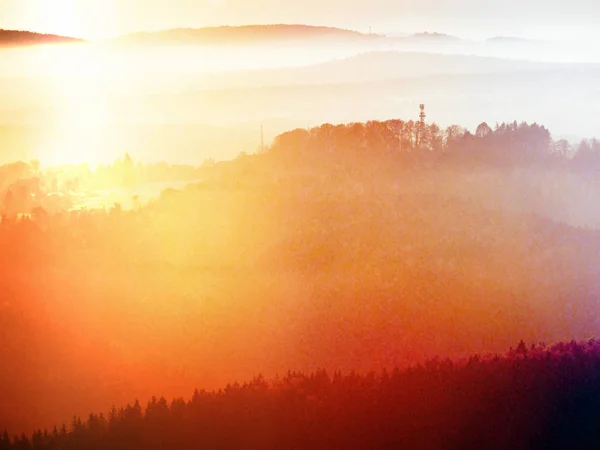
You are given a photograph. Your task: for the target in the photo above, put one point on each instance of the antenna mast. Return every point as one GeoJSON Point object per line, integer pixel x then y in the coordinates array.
{"type": "Point", "coordinates": [421, 127]}
{"type": "Point", "coordinates": [262, 140]}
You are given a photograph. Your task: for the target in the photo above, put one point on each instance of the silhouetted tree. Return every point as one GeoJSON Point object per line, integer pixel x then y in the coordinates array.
{"type": "Point", "coordinates": [5, 443]}
{"type": "Point", "coordinates": [483, 130]}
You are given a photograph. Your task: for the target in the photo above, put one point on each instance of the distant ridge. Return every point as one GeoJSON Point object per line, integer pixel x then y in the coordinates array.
{"type": "Point", "coordinates": [512, 40]}
{"type": "Point", "coordinates": [16, 38]}
{"type": "Point", "coordinates": [434, 36]}
{"type": "Point", "coordinates": [242, 34]}
{"type": "Point", "coordinates": [375, 66]}
{"type": "Point", "coordinates": [273, 33]}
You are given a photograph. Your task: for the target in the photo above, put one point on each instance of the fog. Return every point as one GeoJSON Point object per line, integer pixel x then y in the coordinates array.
{"type": "Point", "coordinates": [52, 97]}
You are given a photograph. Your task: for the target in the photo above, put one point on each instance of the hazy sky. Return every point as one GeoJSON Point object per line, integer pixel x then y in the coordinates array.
{"type": "Point", "coordinates": [469, 18]}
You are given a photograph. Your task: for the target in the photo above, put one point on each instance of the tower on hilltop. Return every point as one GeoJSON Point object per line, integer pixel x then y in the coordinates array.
{"type": "Point", "coordinates": [421, 125]}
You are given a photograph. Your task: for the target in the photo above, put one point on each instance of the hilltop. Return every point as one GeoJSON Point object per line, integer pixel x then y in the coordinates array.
{"type": "Point", "coordinates": [427, 36]}
{"type": "Point", "coordinates": [17, 38]}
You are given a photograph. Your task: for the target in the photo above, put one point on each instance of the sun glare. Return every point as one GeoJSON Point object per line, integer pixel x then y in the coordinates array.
{"type": "Point", "coordinates": [80, 94]}
{"type": "Point", "coordinates": [62, 16]}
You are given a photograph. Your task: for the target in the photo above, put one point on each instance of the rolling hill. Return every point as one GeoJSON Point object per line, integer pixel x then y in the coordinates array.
{"type": "Point", "coordinates": [242, 35]}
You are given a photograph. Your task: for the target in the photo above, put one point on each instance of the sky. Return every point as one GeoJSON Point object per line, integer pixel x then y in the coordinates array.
{"type": "Point", "coordinates": [540, 19]}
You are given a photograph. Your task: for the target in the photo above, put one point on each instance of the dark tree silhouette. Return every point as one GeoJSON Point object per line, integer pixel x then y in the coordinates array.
{"type": "Point", "coordinates": [541, 397]}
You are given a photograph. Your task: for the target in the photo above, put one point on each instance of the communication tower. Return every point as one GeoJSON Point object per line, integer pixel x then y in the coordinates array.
{"type": "Point", "coordinates": [262, 140]}
{"type": "Point", "coordinates": [421, 126]}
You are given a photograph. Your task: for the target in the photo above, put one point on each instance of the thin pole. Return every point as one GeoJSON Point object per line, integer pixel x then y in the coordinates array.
{"type": "Point", "coordinates": [262, 139]}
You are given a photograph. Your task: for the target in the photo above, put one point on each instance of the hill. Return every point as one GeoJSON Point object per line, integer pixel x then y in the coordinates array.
{"type": "Point", "coordinates": [350, 257]}
{"type": "Point", "coordinates": [17, 38]}
{"type": "Point", "coordinates": [246, 34]}
{"type": "Point", "coordinates": [512, 40]}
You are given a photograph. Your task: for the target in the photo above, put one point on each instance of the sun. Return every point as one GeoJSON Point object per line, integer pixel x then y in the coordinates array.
{"type": "Point", "coordinates": [62, 17]}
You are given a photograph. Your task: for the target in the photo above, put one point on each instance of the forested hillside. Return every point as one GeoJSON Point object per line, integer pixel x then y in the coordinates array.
{"type": "Point", "coordinates": [528, 397]}
{"type": "Point", "coordinates": [340, 247]}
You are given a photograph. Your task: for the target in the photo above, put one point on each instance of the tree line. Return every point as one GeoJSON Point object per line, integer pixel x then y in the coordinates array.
{"type": "Point", "coordinates": [505, 143]}
{"type": "Point", "coordinates": [25, 186]}
{"type": "Point", "coordinates": [534, 396]}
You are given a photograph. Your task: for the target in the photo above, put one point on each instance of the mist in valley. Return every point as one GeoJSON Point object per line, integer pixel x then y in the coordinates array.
{"type": "Point", "coordinates": [116, 90]}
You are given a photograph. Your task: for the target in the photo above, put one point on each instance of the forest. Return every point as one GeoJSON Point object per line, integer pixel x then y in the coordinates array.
{"type": "Point", "coordinates": [354, 247]}
{"type": "Point", "coordinates": [534, 396]}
